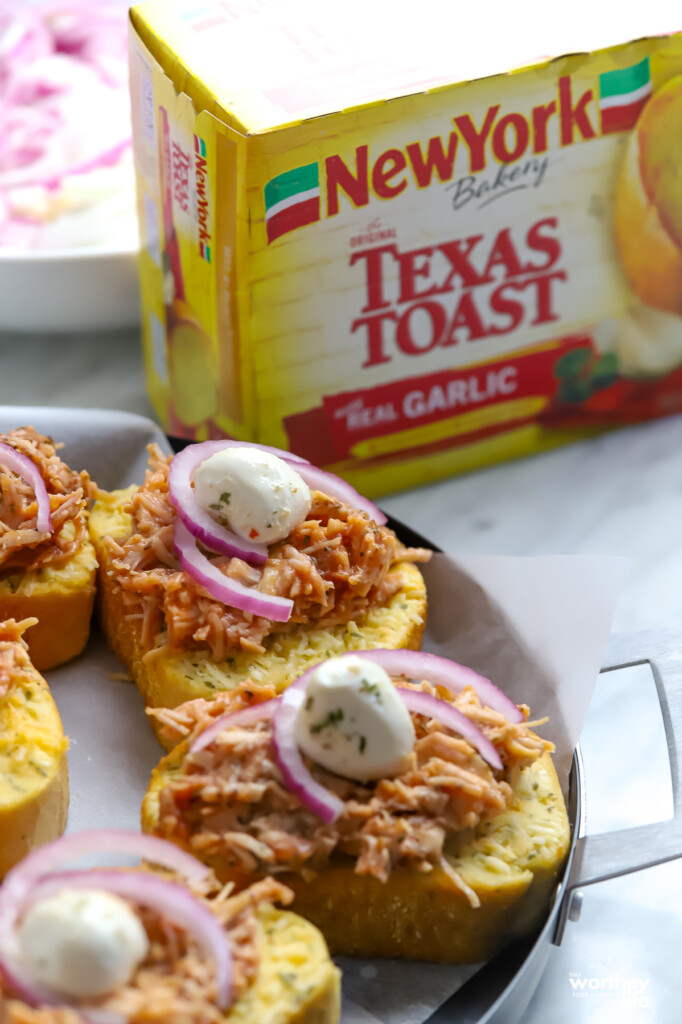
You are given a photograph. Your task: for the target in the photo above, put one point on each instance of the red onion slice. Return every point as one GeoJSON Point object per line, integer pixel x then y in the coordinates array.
{"type": "Point", "coordinates": [107, 158]}
{"type": "Point", "coordinates": [445, 673]}
{"type": "Point", "coordinates": [335, 487]}
{"type": "Point", "coordinates": [221, 587]}
{"type": "Point", "coordinates": [42, 861]}
{"type": "Point", "coordinates": [433, 707]}
{"type": "Point", "coordinates": [28, 471]}
{"type": "Point", "coordinates": [434, 669]}
{"type": "Point", "coordinates": [245, 716]}
{"type": "Point", "coordinates": [196, 519]}
{"type": "Point", "coordinates": [169, 898]}
{"type": "Point", "coordinates": [297, 778]}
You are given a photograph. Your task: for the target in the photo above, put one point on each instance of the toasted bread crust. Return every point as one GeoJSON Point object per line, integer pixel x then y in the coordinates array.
{"type": "Point", "coordinates": [171, 678]}
{"type": "Point", "coordinates": [424, 916]}
{"type": "Point", "coordinates": [297, 983]}
{"type": "Point", "coordinates": [63, 624]}
{"type": "Point", "coordinates": [36, 821]}
{"type": "Point", "coordinates": [32, 811]}
{"type": "Point", "coordinates": [62, 600]}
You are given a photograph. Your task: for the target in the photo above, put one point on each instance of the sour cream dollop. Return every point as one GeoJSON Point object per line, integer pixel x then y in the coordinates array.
{"type": "Point", "coordinates": [254, 493]}
{"type": "Point", "coordinates": [82, 943]}
{"type": "Point", "coordinates": [353, 721]}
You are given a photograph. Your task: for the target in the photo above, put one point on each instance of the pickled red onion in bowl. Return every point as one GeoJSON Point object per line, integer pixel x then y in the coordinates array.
{"type": "Point", "coordinates": [66, 174]}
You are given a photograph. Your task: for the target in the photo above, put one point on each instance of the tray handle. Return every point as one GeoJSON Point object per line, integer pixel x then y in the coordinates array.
{"type": "Point", "coordinates": [600, 857]}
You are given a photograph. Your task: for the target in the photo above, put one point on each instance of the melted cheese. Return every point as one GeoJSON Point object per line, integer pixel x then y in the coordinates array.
{"type": "Point", "coordinates": [74, 574]}
{"type": "Point", "coordinates": [296, 981]}
{"type": "Point", "coordinates": [32, 741]}
{"type": "Point", "coordinates": [532, 835]}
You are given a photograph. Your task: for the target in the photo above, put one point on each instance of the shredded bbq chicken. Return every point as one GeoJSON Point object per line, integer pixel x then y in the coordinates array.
{"type": "Point", "coordinates": [176, 983]}
{"type": "Point", "coordinates": [14, 659]}
{"type": "Point", "coordinates": [229, 799]}
{"type": "Point", "coordinates": [192, 717]}
{"type": "Point", "coordinates": [23, 547]}
{"type": "Point", "coordinates": [335, 566]}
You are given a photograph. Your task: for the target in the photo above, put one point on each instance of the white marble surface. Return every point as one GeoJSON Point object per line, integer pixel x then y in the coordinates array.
{"type": "Point", "coordinates": [619, 494]}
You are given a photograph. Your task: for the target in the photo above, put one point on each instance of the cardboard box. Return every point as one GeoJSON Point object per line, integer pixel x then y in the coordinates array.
{"type": "Point", "coordinates": [397, 276]}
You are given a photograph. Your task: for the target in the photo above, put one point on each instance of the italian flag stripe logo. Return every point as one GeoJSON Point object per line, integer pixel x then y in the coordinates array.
{"type": "Point", "coordinates": [622, 95]}
{"type": "Point", "coordinates": [292, 200]}
{"type": "Point", "coordinates": [199, 146]}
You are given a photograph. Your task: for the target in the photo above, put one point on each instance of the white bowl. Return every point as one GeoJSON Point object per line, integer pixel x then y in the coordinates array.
{"type": "Point", "coordinates": [69, 289]}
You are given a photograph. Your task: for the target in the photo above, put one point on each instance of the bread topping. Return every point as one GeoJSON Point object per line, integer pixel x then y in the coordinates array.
{"type": "Point", "coordinates": [336, 565]}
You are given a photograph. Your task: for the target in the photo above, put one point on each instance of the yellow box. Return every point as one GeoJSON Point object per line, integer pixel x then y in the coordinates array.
{"type": "Point", "coordinates": [396, 275]}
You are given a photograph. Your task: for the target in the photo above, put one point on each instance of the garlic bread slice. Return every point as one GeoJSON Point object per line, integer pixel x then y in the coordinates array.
{"type": "Point", "coordinates": [511, 862]}
{"type": "Point", "coordinates": [61, 598]}
{"type": "Point", "coordinates": [34, 788]}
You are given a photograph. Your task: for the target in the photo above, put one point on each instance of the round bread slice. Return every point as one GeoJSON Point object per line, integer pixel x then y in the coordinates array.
{"type": "Point", "coordinates": [512, 862]}
{"type": "Point", "coordinates": [34, 786]}
{"type": "Point", "coordinates": [172, 677]}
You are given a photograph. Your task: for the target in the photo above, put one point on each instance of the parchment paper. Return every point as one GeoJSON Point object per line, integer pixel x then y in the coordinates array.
{"type": "Point", "coordinates": [537, 627]}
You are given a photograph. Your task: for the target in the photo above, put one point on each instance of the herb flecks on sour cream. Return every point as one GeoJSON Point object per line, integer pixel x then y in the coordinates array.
{"type": "Point", "coordinates": [353, 721]}
{"type": "Point", "coordinates": [253, 493]}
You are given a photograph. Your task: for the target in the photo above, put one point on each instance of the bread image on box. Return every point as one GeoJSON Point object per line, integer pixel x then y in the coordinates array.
{"type": "Point", "coordinates": [649, 202]}
{"type": "Point", "coordinates": [47, 562]}
{"type": "Point", "coordinates": [402, 290]}
{"type": "Point", "coordinates": [648, 226]}
{"type": "Point", "coordinates": [34, 784]}
{"type": "Point", "coordinates": [411, 819]}
{"type": "Point", "coordinates": [336, 579]}
{"type": "Point", "coordinates": [162, 943]}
